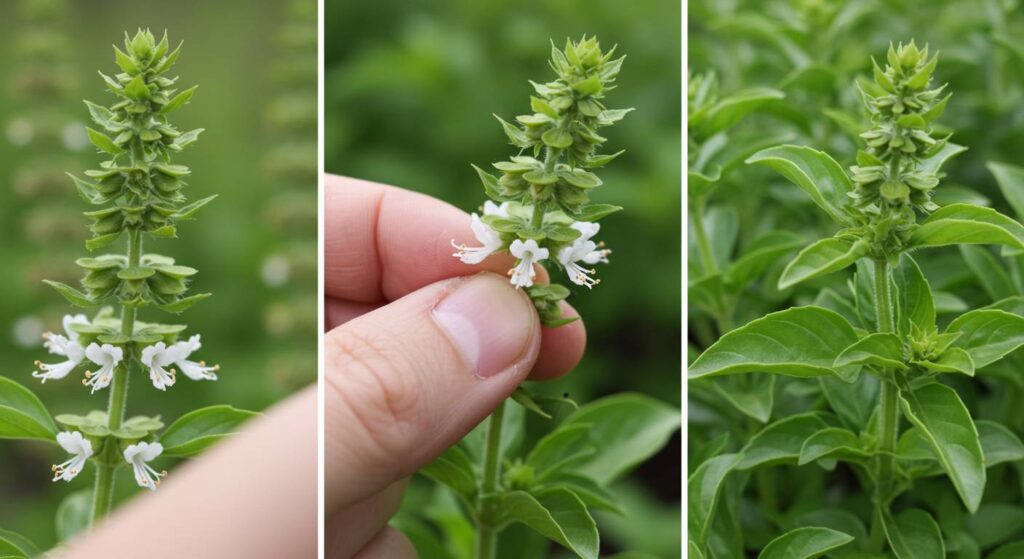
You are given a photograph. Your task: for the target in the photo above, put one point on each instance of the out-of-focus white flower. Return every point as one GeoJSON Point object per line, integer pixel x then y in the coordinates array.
{"type": "Point", "coordinates": [80, 450]}
{"type": "Point", "coordinates": [490, 208]}
{"type": "Point", "coordinates": [157, 357]}
{"type": "Point", "coordinates": [107, 357]}
{"type": "Point", "coordinates": [528, 253]}
{"type": "Point", "coordinates": [192, 369]}
{"type": "Point", "coordinates": [139, 455]}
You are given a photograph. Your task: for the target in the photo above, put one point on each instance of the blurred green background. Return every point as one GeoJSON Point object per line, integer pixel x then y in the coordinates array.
{"type": "Point", "coordinates": [410, 88]}
{"type": "Point", "coordinates": [235, 53]}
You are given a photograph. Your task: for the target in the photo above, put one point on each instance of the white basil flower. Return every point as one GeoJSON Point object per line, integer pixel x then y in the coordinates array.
{"type": "Point", "coordinates": [528, 253]}
{"type": "Point", "coordinates": [489, 239]}
{"type": "Point", "coordinates": [157, 357]}
{"type": "Point", "coordinates": [54, 371]}
{"type": "Point", "coordinates": [192, 369]}
{"type": "Point", "coordinates": [56, 343]}
{"type": "Point", "coordinates": [107, 357]}
{"type": "Point", "coordinates": [583, 250]}
{"type": "Point", "coordinates": [490, 208]}
{"type": "Point", "coordinates": [139, 455]}
{"type": "Point", "coordinates": [80, 450]}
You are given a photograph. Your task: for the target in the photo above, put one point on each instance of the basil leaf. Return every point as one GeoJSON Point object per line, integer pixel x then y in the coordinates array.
{"type": "Point", "coordinates": [804, 543]}
{"type": "Point", "coordinates": [913, 534]}
{"type": "Point", "coordinates": [815, 172]}
{"type": "Point", "coordinates": [823, 257]}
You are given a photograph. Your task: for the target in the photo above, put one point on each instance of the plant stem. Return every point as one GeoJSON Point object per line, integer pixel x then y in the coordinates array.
{"type": "Point", "coordinates": [707, 256]}
{"type": "Point", "coordinates": [888, 408]}
{"type": "Point", "coordinates": [106, 466]}
{"type": "Point", "coordinates": [487, 530]}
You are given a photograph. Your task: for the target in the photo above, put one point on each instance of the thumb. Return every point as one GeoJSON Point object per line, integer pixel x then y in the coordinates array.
{"type": "Point", "coordinates": [408, 380]}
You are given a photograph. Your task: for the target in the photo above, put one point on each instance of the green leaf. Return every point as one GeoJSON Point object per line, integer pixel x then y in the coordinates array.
{"type": "Point", "coordinates": [589, 491]}
{"type": "Point", "coordinates": [455, 470]}
{"type": "Point", "coordinates": [1014, 550]}
{"type": "Point", "coordinates": [730, 110]}
{"type": "Point", "coordinates": [958, 224]}
{"type": "Point", "coordinates": [631, 429]}
{"type": "Point", "coordinates": [800, 342]}
{"type": "Point", "coordinates": [995, 523]}
{"type": "Point", "coordinates": [179, 100]}
{"type": "Point", "coordinates": [914, 302]}
{"type": "Point", "coordinates": [22, 414]}
{"type": "Point", "coordinates": [181, 305]}
{"type": "Point", "coordinates": [759, 255]}
{"type": "Point", "coordinates": [943, 419]}
{"type": "Point", "coordinates": [594, 212]}
{"type": "Point", "coordinates": [103, 142]}
{"type": "Point", "coordinates": [953, 360]}
{"type": "Point", "coordinates": [703, 490]}
{"type": "Point", "coordinates": [8, 550]}
{"type": "Point", "coordinates": [525, 398]}
{"type": "Point", "coordinates": [988, 334]}
{"type": "Point", "coordinates": [990, 273]}
{"type": "Point", "coordinates": [1010, 179]}
{"type": "Point", "coordinates": [24, 544]}
{"type": "Point", "coordinates": [780, 442]}
{"type": "Point", "coordinates": [814, 172]}
{"type": "Point", "coordinates": [73, 514]}
{"type": "Point", "coordinates": [853, 403]}
{"type": "Point", "coordinates": [559, 515]}
{"type": "Point", "coordinates": [74, 296]}
{"type": "Point", "coordinates": [200, 428]}
{"type": "Point", "coordinates": [804, 543]}
{"type": "Point", "coordinates": [913, 534]}
{"type": "Point", "coordinates": [832, 443]}
{"type": "Point", "coordinates": [753, 394]}
{"type": "Point", "coordinates": [560, 449]}
{"type": "Point", "coordinates": [882, 349]}
{"type": "Point", "coordinates": [998, 444]}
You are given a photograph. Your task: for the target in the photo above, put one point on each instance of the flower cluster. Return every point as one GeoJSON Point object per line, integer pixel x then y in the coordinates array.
{"type": "Point", "coordinates": [140, 194]}
{"type": "Point", "coordinates": [539, 208]}
{"type": "Point", "coordinates": [889, 172]}
{"type": "Point", "coordinates": [138, 456]}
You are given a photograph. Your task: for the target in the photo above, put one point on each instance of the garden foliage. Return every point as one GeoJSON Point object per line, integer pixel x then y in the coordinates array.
{"type": "Point", "coordinates": [872, 410]}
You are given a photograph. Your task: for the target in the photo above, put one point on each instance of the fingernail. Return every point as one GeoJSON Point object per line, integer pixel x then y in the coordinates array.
{"type": "Point", "coordinates": [490, 322]}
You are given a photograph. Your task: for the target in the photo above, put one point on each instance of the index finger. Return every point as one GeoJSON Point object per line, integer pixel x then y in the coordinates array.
{"type": "Point", "coordinates": [383, 242]}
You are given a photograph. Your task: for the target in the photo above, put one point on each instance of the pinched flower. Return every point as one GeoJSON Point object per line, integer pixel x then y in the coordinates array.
{"type": "Point", "coordinates": [586, 251]}
{"type": "Point", "coordinates": [139, 455]}
{"type": "Point", "coordinates": [192, 369]}
{"type": "Point", "coordinates": [107, 357]}
{"type": "Point", "coordinates": [528, 253]}
{"type": "Point", "coordinates": [157, 357]}
{"type": "Point", "coordinates": [80, 450]}
{"type": "Point", "coordinates": [488, 238]}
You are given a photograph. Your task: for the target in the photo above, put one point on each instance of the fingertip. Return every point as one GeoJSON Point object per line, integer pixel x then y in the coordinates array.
{"type": "Point", "coordinates": [561, 348]}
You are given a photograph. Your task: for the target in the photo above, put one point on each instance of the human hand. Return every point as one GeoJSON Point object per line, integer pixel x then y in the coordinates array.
{"type": "Point", "coordinates": [420, 349]}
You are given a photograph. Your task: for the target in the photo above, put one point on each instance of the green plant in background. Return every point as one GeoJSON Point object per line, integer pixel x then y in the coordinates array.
{"type": "Point", "coordinates": [539, 210]}
{"type": "Point", "coordinates": [44, 135]}
{"type": "Point", "coordinates": [292, 211]}
{"type": "Point", "coordinates": [140, 192]}
{"type": "Point", "coordinates": [879, 358]}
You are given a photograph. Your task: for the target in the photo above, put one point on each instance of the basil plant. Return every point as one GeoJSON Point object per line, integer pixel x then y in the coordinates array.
{"type": "Point", "coordinates": [891, 430]}
{"type": "Point", "coordinates": [139, 196]}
